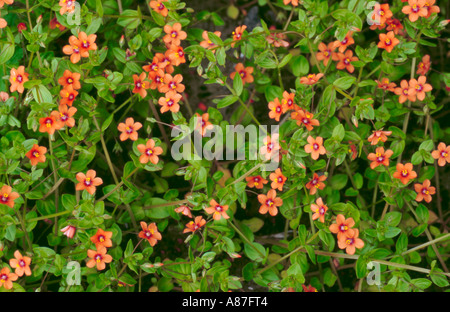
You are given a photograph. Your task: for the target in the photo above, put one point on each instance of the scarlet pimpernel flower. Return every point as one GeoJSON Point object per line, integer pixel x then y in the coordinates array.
{"type": "Point", "coordinates": [150, 233]}
{"type": "Point", "coordinates": [149, 152]}
{"type": "Point", "coordinates": [102, 238]}
{"type": "Point", "coordinates": [244, 72]}
{"type": "Point", "coordinates": [342, 227]}
{"type": "Point", "coordinates": [271, 147]}
{"type": "Point", "coordinates": [68, 95]}
{"type": "Point", "coordinates": [380, 157]}
{"type": "Point", "coordinates": [99, 258]}
{"type": "Point", "coordinates": [405, 92]}
{"type": "Point", "coordinates": [269, 203]}
{"type": "Point", "coordinates": [388, 41]}
{"type": "Point", "coordinates": [315, 147]}
{"type": "Point", "coordinates": [424, 65]}
{"type": "Point", "coordinates": [49, 124]}
{"type": "Point", "coordinates": [17, 78]}
{"type": "Point", "coordinates": [350, 242]}
{"type": "Point", "coordinates": [203, 123]}
{"type": "Point", "coordinates": [310, 79]}
{"type": "Point", "coordinates": [275, 109]}
{"type": "Point", "coordinates": [278, 179]}
{"type": "Point", "coordinates": [129, 129]}
{"type": "Point", "coordinates": [305, 118]}
{"type": "Point", "coordinates": [7, 196]}
{"type": "Point", "coordinates": [326, 52]}
{"type": "Point", "coordinates": [424, 191]}
{"type": "Point", "coordinates": [345, 61]}
{"type": "Point", "coordinates": [319, 209]}
{"type": "Point", "coordinates": [218, 211]}
{"type": "Point", "coordinates": [256, 181]}
{"type": "Point", "coordinates": [386, 85]}
{"type": "Point", "coordinates": [185, 210]}
{"type": "Point", "coordinates": [316, 183]}
{"type": "Point", "coordinates": [378, 135]}
{"type": "Point", "coordinates": [7, 278]}
{"type": "Point", "coordinates": [170, 102]}
{"type": "Point", "coordinates": [405, 173]}
{"type": "Point", "coordinates": [88, 181]}
{"type": "Point", "coordinates": [36, 154]}
{"type": "Point", "coordinates": [237, 34]}
{"type": "Point", "coordinates": [21, 264]}
{"type": "Point", "coordinates": [442, 154]}
{"type": "Point", "coordinates": [420, 86]}
{"type": "Point", "coordinates": [174, 34]}
{"type": "Point", "coordinates": [207, 43]}
{"type": "Point", "coordinates": [159, 7]}
{"type": "Point", "coordinates": [193, 226]}
{"type": "Point", "coordinates": [70, 79]}
{"type": "Point", "coordinates": [348, 40]}
{"type": "Point", "coordinates": [415, 9]}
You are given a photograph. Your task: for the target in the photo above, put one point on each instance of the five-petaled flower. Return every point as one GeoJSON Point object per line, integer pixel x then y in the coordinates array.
{"type": "Point", "coordinates": [310, 79]}
{"type": "Point", "coordinates": [49, 124]}
{"type": "Point", "coordinates": [348, 40]}
{"type": "Point", "coordinates": [381, 13]}
{"type": "Point", "coordinates": [424, 66]}
{"type": "Point", "coordinates": [7, 278]}
{"type": "Point", "coordinates": [278, 179]}
{"type": "Point", "coordinates": [315, 147]}
{"type": "Point", "coordinates": [99, 257]}
{"type": "Point", "coordinates": [244, 72]}
{"type": "Point", "coordinates": [319, 210]}
{"type": "Point", "coordinates": [159, 7]}
{"type": "Point", "coordinates": [345, 61]}
{"type": "Point", "coordinates": [388, 41]}
{"type": "Point", "coordinates": [88, 181]}
{"type": "Point", "coordinates": [218, 211]}
{"type": "Point", "coordinates": [256, 181]}
{"type": "Point", "coordinates": [174, 34]}
{"type": "Point", "coordinates": [415, 9]}
{"type": "Point", "coordinates": [442, 154]}
{"type": "Point", "coordinates": [203, 123]}
{"type": "Point", "coordinates": [275, 109]}
{"type": "Point", "coordinates": [342, 227]}
{"type": "Point", "coordinates": [378, 135]}
{"type": "Point", "coordinates": [20, 264]}
{"type": "Point", "coordinates": [169, 102]}
{"type": "Point", "coordinates": [129, 129]}
{"type": "Point", "coordinates": [380, 157]}
{"type": "Point", "coordinates": [316, 183]}
{"type": "Point", "coordinates": [405, 173]}
{"type": "Point", "coordinates": [150, 233]}
{"type": "Point", "coordinates": [420, 86]}
{"type": "Point", "coordinates": [424, 191]}
{"type": "Point", "coordinates": [68, 95]}
{"type": "Point", "coordinates": [326, 52]}
{"type": "Point", "coordinates": [17, 78]}
{"type": "Point", "coordinates": [270, 148]}
{"type": "Point", "coordinates": [70, 79]}
{"type": "Point", "coordinates": [185, 210]}
{"type": "Point", "coordinates": [140, 84]}
{"type": "Point", "coordinates": [7, 196]}
{"type": "Point", "coordinates": [269, 203]}
{"type": "Point", "coordinates": [305, 118]}
{"type": "Point", "coordinates": [405, 92]}
{"type": "Point", "coordinates": [386, 85]}
{"type": "Point", "coordinates": [207, 43]}
{"type": "Point", "coordinates": [351, 242]}
{"type": "Point", "coordinates": [36, 154]}
{"type": "Point", "coordinates": [149, 152]}
{"type": "Point", "coordinates": [193, 226]}
{"type": "Point", "coordinates": [237, 34]}
{"type": "Point", "coordinates": [102, 238]}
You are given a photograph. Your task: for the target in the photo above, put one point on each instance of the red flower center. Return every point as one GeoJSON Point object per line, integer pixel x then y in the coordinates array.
{"type": "Point", "coordinates": [71, 97]}
{"type": "Point", "coordinates": [344, 41]}
{"type": "Point", "coordinates": [174, 34]}
{"type": "Point", "coordinates": [19, 78]}
{"type": "Point", "coordinates": [280, 179]}
{"type": "Point", "coordinates": [35, 154]}
{"type": "Point", "coordinates": [149, 152]}
{"type": "Point", "coordinates": [346, 61]}
{"type": "Point", "coordinates": [269, 202]}
{"type": "Point", "coordinates": [3, 277]}
{"type": "Point", "coordinates": [219, 208]}
{"type": "Point", "coordinates": [85, 44]}
{"type": "Point", "coordinates": [22, 263]}
{"type": "Point", "coordinates": [316, 146]}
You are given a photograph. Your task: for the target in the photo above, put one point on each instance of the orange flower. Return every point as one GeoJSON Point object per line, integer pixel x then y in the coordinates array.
{"type": "Point", "coordinates": [379, 157]}
{"type": "Point", "coordinates": [278, 179]}
{"type": "Point", "coordinates": [194, 225]}
{"type": "Point", "coordinates": [378, 135]}
{"type": "Point", "coordinates": [158, 6]}
{"type": "Point", "coordinates": [388, 41]}
{"type": "Point", "coordinates": [176, 55]}
{"type": "Point", "coordinates": [68, 95]}
{"type": "Point", "coordinates": [102, 238]}
{"type": "Point", "coordinates": [310, 79]}
{"type": "Point", "coordinates": [7, 197]}
{"type": "Point", "coordinates": [442, 154]}
{"type": "Point", "coordinates": [424, 191]}
{"type": "Point", "coordinates": [21, 264]}
{"type": "Point", "coordinates": [36, 154]}
{"type": "Point", "coordinates": [218, 211]}
{"type": "Point", "coordinates": [206, 43]}
{"type": "Point", "coordinates": [309, 288]}
{"type": "Point", "coordinates": [271, 147]}
{"type": "Point", "coordinates": [70, 79]}
{"type": "Point", "coordinates": [386, 85]}
{"type": "Point", "coordinates": [395, 26]}
{"type": "Point", "coordinates": [319, 210]}
{"type": "Point", "coordinates": [149, 152]}
{"type": "Point", "coordinates": [49, 124]}
{"type": "Point", "coordinates": [17, 78]}
{"type": "Point", "coordinates": [405, 92]}
{"type": "Point", "coordinates": [352, 150]}
{"type": "Point", "coordinates": [315, 147]}
{"type": "Point", "coordinates": [424, 65]}
{"type": "Point", "coordinates": [244, 72]}
{"type": "Point", "coordinates": [381, 13]}
{"type": "Point", "coordinates": [98, 257]}
{"type": "Point", "coordinates": [351, 242]}
{"type": "Point", "coordinates": [431, 8]}
{"type": "Point", "coordinates": [55, 24]}
{"type": "Point", "coordinates": [174, 34]}
{"type": "Point", "coordinates": [65, 116]}
{"type": "Point", "coordinates": [420, 86]}
{"type": "Point", "coordinates": [129, 129]}
{"type": "Point", "coordinates": [277, 40]}
{"type": "Point", "coordinates": [87, 43]}
{"type": "Point", "coordinates": [348, 40]}
{"type": "Point", "coordinates": [237, 34]}
{"type": "Point", "coordinates": [7, 278]}
{"type": "Point", "coordinates": [405, 173]}
{"type": "Point", "coordinates": [316, 183]}
{"type": "Point", "coordinates": [172, 83]}
{"type": "Point", "coordinates": [415, 9]}
{"type": "Point", "coordinates": [140, 84]}
{"type": "Point", "coordinates": [166, 62]}
{"type": "Point", "coordinates": [288, 101]}
{"type": "Point", "coordinates": [155, 65]}
{"type": "Point", "coordinates": [342, 227]}
{"type": "Point", "coordinates": [345, 61]}
{"type": "Point", "coordinates": [327, 52]}
{"type": "Point", "coordinates": [150, 233]}
{"type": "Point", "coordinates": [305, 118]}
{"type": "Point", "coordinates": [157, 80]}
{"type": "Point", "coordinates": [294, 2]}
{"type": "Point", "coordinates": [276, 109]}
{"type": "Point", "coordinates": [170, 102]}
{"type": "Point", "coordinates": [203, 125]}
{"type": "Point", "coordinates": [66, 6]}
{"type": "Point", "coordinates": [269, 203]}
{"type": "Point", "coordinates": [184, 210]}
{"type": "Point", "coordinates": [73, 49]}
{"type": "Point", "coordinates": [88, 181]}
{"type": "Point", "coordinates": [257, 182]}
{"type": "Point", "coordinates": [3, 23]}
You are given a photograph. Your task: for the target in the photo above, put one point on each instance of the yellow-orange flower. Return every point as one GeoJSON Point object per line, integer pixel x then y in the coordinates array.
{"type": "Point", "coordinates": [98, 257]}
{"type": "Point", "coordinates": [36, 154]}
{"type": "Point", "coordinates": [442, 154]}
{"type": "Point", "coordinates": [149, 152]}
{"type": "Point", "coordinates": [7, 278]}
{"type": "Point", "coordinates": [424, 191]}
{"type": "Point", "coordinates": [129, 129]}
{"type": "Point", "coordinates": [218, 211]}
{"type": "Point", "coordinates": [256, 181]}
{"type": "Point", "coordinates": [269, 203]}
{"type": "Point", "coordinates": [342, 227]}
{"type": "Point", "coordinates": [278, 179]}
{"type": "Point", "coordinates": [315, 147]}
{"type": "Point", "coordinates": [351, 242]}
{"type": "Point", "coordinates": [88, 181]}
{"type": "Point", "coordinates": [7, 196]}
{"type": "Point", "coordinates": [150, 233]}
{"type": "Point", "coordinates": [319, 210]}
{"type": "Point", "coordinates": [388, 41]}
{"type": "Point", "coordinates": [193, 226]}
{"type": "Point", "coordinates": [379, 157]}
{"type": "Point", "coordinates": [405, 173]}
{"type": "Point", "coordinates": [17, 78]}
{"type": "Point", "coordinates": [20, 264]}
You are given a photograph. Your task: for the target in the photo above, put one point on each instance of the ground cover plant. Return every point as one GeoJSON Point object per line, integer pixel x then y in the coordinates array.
{"type": "Point", "coordinates": [116, 167]}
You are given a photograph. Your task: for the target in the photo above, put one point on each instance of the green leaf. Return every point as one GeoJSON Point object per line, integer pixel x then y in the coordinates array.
{"type": "Point", "coordinates": [421, 283]}
{"type": "Point", "coordinates": [227, 101]}
{"type": "Point", "coordinates": [422, 213]}
{"type": "Point", "coordinates": [439, 279]}
{"type": "Point", "coordinates": [361, 267]}
{"type": "Point", "coordinates": [338, 181]}
{"type": "Point", "coordinates": [238, 86]}
{"type": "Point", "coordinates": [6, 52]}
{"type": "Point", "coordinates": [345, 82]}
{"type": "Point", "coordinates": [130, 19]}
{"type": "Point", "coordinates": [299, 65]}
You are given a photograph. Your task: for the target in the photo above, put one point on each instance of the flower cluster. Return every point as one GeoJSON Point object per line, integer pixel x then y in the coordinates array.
{"type": "Point", "coordinates": [347, 236]}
